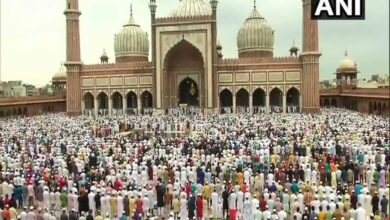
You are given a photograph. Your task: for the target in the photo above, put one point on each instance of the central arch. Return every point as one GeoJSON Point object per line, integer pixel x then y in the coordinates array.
{"type": "Point", "coordinates": [188, 92]}
{"type": "Point", "coordinates": [183, 62]}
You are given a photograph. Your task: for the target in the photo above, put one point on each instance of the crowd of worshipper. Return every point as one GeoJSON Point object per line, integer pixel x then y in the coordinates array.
{"type": "Point", "coordinates": [333, 165]}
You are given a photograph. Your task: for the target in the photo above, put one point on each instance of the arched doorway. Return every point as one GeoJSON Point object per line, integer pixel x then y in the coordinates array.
{"type": "Point", "coordinates": [242, 101]}
{"type": "Point", "coordinates": [19, 111]}
{"type": "Point", "coordinates": [374, 108]}
{"type": "Point", "coordinates": [276, 100]}
{"type": "Point", "coordinates": [117, 103]}
{"type": "Point", "coordinates": [183, 61]}
{"type": "Point", "coordinates": [259, 97]}
{"type": "Point", "coordinates": [292, 100]}
{"type": "Point", "coordinates": [333, 103]}
{"type": "Point", "coordinates": [1, 113]}
{"type": "Point", "coordinates": [131, 102]}
{"type": "Point", "coordinates": [103, 103]}
{"type": "Point", "coordinates": [226, 101]}
{"type": "Point", "coordinates": [88, 103]}
{"type": "Point", "coordinates": [188, 92]}
{"type": "Point", "coordinates": [147, 102]}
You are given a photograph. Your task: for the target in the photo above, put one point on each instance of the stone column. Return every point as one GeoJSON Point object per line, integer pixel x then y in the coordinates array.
{"type": "Point", "coordinates": [310, 62]}
{"type": "Point", "coordinates": [139, 107]}
{"type": "Point", "coordinates": [250, 104]}
{"type": "Point", "coordinates": [73, 62]}
{"type": "Point", "coordinates": [110, 105]}
{"type": "Point", "coordinates": [300, 103]}
{"type": "Point", "coordinates": [234, 104]}
{"type": "Point", "coordinates": [96, 107]}
{"type": "Point", "coordinates": [267, 110]}
{"type": "Point", "coordinates": [124, 105]}
{"type": "Point", "coordinates": [284, 103]}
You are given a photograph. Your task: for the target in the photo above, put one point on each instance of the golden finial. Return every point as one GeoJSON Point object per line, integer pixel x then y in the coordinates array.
{"type": "Point", "coordinates": [131, 9]}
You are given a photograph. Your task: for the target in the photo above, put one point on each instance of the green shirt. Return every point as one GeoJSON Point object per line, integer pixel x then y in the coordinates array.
{"type": "Point", "coordinates": [64, 200]}
{"type": "Point", "coordinates": [329, 215]}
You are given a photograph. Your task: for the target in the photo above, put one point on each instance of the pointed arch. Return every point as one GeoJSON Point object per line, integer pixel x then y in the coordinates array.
{"type": "Point", "coordinates": [242, 98]}
{"type": "Point", "coordinates": [259, 97]}
{"type": "Point", "coordinates": [174, 46]}
{"type": "Point", "coordinates": [189, 92]}
{"type": "Point", "coordinates": [226, 100]}
{"type": "Point", "coordinates": [117, 100]}
{"type": "Point", "coordinates": [276, 97]}
{"type": "Point", "coordinates": [102, 98]}
{"type": "Point", "coordinates": [183, 58]}
{"type": "Point", "coordinates": [292, 100]}
{"type": "Point", "coordinates": [88, 100]}
{"type": "Point", "coordinates": [146, 100]}
{"type": "Point", "coordinates": [131, 100]}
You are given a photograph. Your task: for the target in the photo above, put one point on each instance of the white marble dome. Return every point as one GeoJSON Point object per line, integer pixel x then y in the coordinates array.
{"type": "Point", "coordinates": [347, 63]}
{"type": "Point", "coordinates": [60, 75]}
{"type": "Point", "coordinates": [131, 41]}
{"type": "Point", "coordinates": [255, 35]}
{"type": "Point", "coordinates": [192, 8]}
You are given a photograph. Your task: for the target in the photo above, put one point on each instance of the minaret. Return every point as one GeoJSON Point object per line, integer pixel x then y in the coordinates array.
{"type": "Point", "coordinates": [73, 62]}
{"type": "Point", "coordinates": [214, 57]}
{"type": "Point", "coordinates": [310, 62]}
{"type": "Point", "coordinates": [153, 8]}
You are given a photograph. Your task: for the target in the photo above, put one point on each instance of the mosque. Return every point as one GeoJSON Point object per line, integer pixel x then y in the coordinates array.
{"type": "Point", "coordinates": [187, 68]}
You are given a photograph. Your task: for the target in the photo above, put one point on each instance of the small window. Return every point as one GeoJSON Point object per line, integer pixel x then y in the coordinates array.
{"type": "Point", "coordinates": [68, 4]}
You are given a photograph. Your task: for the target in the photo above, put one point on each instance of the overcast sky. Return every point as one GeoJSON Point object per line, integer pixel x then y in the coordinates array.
{"type": "Point", "coordinates": [33, 33]}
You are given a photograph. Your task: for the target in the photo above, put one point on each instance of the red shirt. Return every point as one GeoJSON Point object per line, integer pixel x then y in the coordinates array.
{"type": "Point", "coordinates": [117, 185]}
{"type": "Point", "coordinates": [199, 207]}
{"type": "Point", "coordinates": [244, 188]}
{"type": "Point", "coordinates": [263, 204]}
{"type": "Point", "coordinates": [6, 214]}
{"type": "Point", "coordinates": [139, 203]}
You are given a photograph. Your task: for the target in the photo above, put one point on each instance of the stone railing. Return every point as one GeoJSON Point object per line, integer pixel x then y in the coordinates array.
{"type": "Point", "coordinates": [164, 20]}
{"type": "Point", "coordinates": [135, 65]}
{"type": "Point", "coordinates": [358, 92]}
{"type": "Point", "coordinates": [31, 100]}
{"type": "Point", "coordinates": [235, 61]}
